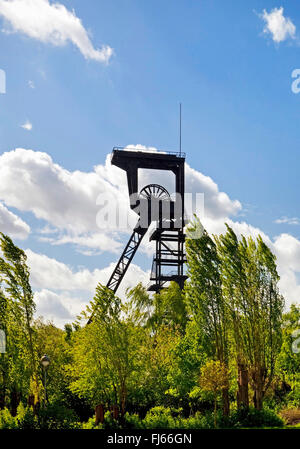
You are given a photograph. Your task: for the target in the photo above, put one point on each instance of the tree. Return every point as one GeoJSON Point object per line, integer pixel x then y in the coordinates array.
{"type": "Point", "coordinates": [205, 298]}
{"type": "Point", "coordinates": [170, 308]}
{"type": "Point", "coordinates": [234, 286]}
{"type": "Point", "coordinates": [250, 285]}
{"type": "Point", "coordinates": [106, 353]}
{"type": "Point", "coordinates": [288, 363]}
{"type": "Point", "coordinates": [188, 355]}
{"type": "Point", "coordinates": [19, 365]}
{"type": "Point", "coordinates": [214, 379]}
{"type": "Point", "coordinates": [166, 308]}
{"type": "Point", "coordinates": [51, 340]}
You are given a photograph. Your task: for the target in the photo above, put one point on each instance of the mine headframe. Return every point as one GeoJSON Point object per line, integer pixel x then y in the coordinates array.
{"type": "Point", "coordinates": [154, 204]}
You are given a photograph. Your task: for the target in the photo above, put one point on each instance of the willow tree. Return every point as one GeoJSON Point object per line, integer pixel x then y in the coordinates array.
{"type": "Point", "coordinates": [205, 297]}
{"type": "Point", "coordinates": [19, 364]}
{"type": "Point", "coordinates": [234, 287]}
{"type": "Point", "coordinates": [250, 285]}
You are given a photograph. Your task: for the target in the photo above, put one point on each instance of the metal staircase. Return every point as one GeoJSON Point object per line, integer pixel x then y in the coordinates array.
{"type": "Point", "coordinates": [126, 258]}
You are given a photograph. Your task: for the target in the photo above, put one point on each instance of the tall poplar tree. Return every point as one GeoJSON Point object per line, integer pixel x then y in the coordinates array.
{"type": "Point", "coordinates": [205, 298]}
{"type": "Point", "coordinates": [19, 364]}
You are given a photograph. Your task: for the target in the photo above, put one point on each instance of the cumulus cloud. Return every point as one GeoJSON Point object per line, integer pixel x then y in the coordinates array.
{"type": "Point", "coordinates": [27, 125]}
{"type": "Point", "coordinates": [51, 23]}
{"type": "Point", "coordinates": [51, 305]}
{"type": "Point", "coordinates": [62, 292]}
{"type": "Point", "coordinates": [280, 27]}
{"type": "Point", "coordinates": [71, 201]}
{"type": "Point", "coordinates": [49, 273]}
{"type": "Point", "coordinates": [66, 201]}
{"type": "Point", "coordinates": [287, 249]}
{"type": "Point", "coordinates": [12, 225]}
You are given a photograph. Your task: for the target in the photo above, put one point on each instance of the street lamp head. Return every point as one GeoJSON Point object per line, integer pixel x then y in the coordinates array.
{"type": "Point", "coordinates": [45, 361]}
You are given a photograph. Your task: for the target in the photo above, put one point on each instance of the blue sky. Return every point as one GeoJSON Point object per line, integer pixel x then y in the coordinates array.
{"type": "Point", "coordinates": [240, 116]}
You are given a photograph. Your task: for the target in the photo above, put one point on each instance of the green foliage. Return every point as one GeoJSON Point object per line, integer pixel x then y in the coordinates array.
{"type": "Point", "coordinates": [19, 365]}
{"type": "Point", "coordinates": [7, 421]}
{"type": "Point", "coordinates": [254, 418]}
{"type": "Point", "coordinates": [164, 360]}
{"type": "Point", "coordinates": [56, 417]}
{"type": "Point", "coordinates": [133, 421]}
{"type": "Point", "coordinates": [91, 425]}
{"type": "Point", "coordinates": [160, 418]}
{"type": "Point", "coordinates": [107, 354]}
{"type": "Point", "coordinates": [24, 419]}
{"type": "Point", "coordinates": [188, 355]}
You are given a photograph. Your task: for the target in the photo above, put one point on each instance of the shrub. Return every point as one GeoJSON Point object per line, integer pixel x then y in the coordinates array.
{"type": "Point", "coordinates": [26, 419]}
{"type": "Point", "coordinates": [159, 418]}
{"type": "Point", "coordinates": [133, 422]}
{"type": "Point", "coordinates": [293, 397]}
{"type": "Point", "coordinates": [91, 425]}
{"type": "Point", "coordinates": [110, 422]}
{"type": "Point", "coordinates": [252, 418]}
{"type": "Point", "coordinates": [7, 421]}
{"type": "Point", "coordinates": [55, 416]}
{"type": "Point", "coordinates": [198, 421]}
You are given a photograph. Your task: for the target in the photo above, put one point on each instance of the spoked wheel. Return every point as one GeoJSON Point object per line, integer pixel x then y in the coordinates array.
{"type": "Point", "coordinates": [155, 191]}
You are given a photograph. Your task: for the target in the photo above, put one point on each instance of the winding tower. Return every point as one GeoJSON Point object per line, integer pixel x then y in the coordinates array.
{"type": "Point", "coordinates": [154, 204]}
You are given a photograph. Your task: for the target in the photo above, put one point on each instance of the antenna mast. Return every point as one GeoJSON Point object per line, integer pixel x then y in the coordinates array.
{"type": "Point", "coordinates": [180, 129]}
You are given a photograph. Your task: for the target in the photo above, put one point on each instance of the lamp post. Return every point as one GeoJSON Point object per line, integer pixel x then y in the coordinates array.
{"type": "Point", "coordinates": [45, 362]}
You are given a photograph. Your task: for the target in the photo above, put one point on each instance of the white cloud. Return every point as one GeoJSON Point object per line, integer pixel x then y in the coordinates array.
{"type": "Point", "coordinates": [31, 84]}
{"type": "Point", "coordinates": [67, 200]}
{"type": "Point", "coordinates": [48, 273]}
{"type": "Point", "coordinates": [289, 221]}
{"type": "Point", "coordinates": [51, 23]}
{"type": "Point", "coordinates": [287, 250]}
{"type": "Point", "coordinates": [51, 305]}
{"type": "Point", "coordinates": [280, 27]}
{"type": "Point", "coordinates": [27, 125]}
{"type": "Point", "coordinates": [92, 241]}
{"type": "Point", "coordinates": [12, 225]}
{"type": "Point", "coordinates": [62, 292]}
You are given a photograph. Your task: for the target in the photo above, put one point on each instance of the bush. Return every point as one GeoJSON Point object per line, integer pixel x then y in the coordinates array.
{"type": "Point", "coordinates": [91, 425]}
{"type": "Point", "coordinates": [252, 418]}
{"type": "Point", "coordinates": [293, 397]}
{"type": "Point", "coordinates": [159, 418]}
{"type": "Point", "coordinates": [55, 416]}
{"type": "Point", "coordinates": [7, 421]}
{"type": "Point", "coordinates": [110, 422]}
{"type": "Point", "coordinates": [133, 422]}
{"type": "Point", "coordinates": [26, 419]}
{"type": "Point", "coordinates": [198, 421]}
